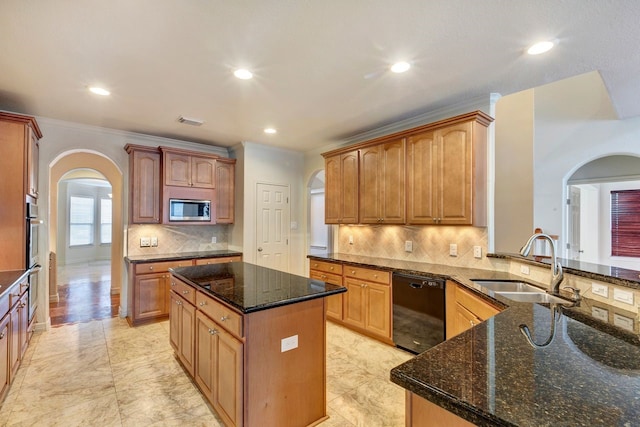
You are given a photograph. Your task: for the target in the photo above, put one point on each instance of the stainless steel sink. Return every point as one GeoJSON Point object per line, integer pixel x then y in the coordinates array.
{"type": "Point", "coordinates": [541, 297]}
{"type": "Point", "coordinates": [507, 286]}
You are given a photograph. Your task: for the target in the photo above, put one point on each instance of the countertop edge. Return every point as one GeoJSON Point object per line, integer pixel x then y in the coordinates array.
{"type": "Point", "coordinates": [141, 259]}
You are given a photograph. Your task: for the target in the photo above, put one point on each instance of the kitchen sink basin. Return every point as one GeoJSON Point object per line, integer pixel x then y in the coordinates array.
{"type": "Point", "coordinates": [507, 286]}
{"type": "Point", "coordinates": [541, 297]}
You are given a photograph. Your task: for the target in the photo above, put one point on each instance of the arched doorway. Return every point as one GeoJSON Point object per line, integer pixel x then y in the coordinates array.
{"type": "Point", "coordinates": [89, 160]}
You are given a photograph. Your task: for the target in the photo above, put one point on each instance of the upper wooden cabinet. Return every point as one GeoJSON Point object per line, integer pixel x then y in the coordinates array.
{"type": "Point", "coordinates": [225, 188]}
{"type": "Point", "coordinates": [341, 188]}
{"type": "Point", "coordinates": [382, 194]}
{"type": "Point", "coordinates": [144, 184]}
{"type": "Point", "coordinates": [186, 169]}
{"type": "Point", "coordinates": [445, 168]}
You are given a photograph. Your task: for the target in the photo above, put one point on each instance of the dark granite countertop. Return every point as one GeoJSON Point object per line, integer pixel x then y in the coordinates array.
{"type": "Point", "coordinates": [10, 278]}
{"type": "Point", "coordinates": [136, 259]}
{"type": "Point", "coordinates": [490, 375]}
{"type": "Point", "coordinates": [250, 288]}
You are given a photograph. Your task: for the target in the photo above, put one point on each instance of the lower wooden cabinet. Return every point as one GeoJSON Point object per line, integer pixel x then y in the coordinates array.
{"type": "Point", "coordinates": [465, 309]}
{"type": "Point", "coordinates": [219, 369]}
{"type": "Point", "coordinates": [422, 413]}
{"type": "Point", "coordinates": [19, 334]}
{"type": "Point", "coordinates": [5, 338]}
{"type": "Point", "coordinates": [182, 330]}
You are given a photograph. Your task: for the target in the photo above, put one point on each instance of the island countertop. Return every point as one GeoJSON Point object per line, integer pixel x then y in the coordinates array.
{"type": "Point", "coordinates": [250, 288]}
{"type": "Point", "coordinates": [589, 374]}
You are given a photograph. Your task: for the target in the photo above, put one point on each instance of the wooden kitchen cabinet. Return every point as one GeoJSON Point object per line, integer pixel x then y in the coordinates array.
{"type": "Point", "coordinates": [422, 413]}
{"type": "Point", "coordinates": [382, 179]}
{"type": "Point", "coordinates": [331, 273]}
{"type": "Point", "coordinates": [19, 333]}
{"type": "Point", "coordinates": [5, 346]}
{"type": "Point", "coordinates": [341, 188]}
{"type": "Point", "coordinates": [33, 155]}
{"type": "Point", "coordinates": [188, 169]}
{"type": "Point", "coordinates": [465, 309]}
{"type": "Point", "coordinates": [367, 302]}
{"type": "Point", "coordinates": [446, 174]}
{"type": "Point", "coordinates": [225, 190]}
{"type": "Point", "coordinates": [182, 324]}
{"type": "Point", "coordinates": [219, 260]}
{"type": "Point", "coordinates": [144, 184]}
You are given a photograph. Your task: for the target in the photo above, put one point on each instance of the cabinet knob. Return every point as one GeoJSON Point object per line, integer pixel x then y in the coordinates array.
{"type": "Point", "coordinates": [315, 265]}
{"type": "Point", "coordinates": [353, 272]}
{"type": "Point", "coordinates": [185, 292]}
{"type": "Point", "coordinates": [323, 276]}
{"type": "Point", "coordinates": [202, 303]}
{"type": "Point", "coordinates": [178, 302]}
{"type": "Point", "coordinates": [331, 268]}
{"type": "Point", "coordinates": [150, 267]}
{"type": "Point", "coordinates": [173, 284]}
{"type": "Point", "coordinates": [224, 318]}
{"type": "Point", "coordinates": [2, 335]}
{"type": "Point", "coordinates": [213, 331]}
{"type": "Point", "coordinates": [471, 323]}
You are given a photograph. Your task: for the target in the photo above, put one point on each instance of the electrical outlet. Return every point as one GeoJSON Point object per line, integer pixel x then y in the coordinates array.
{"type": "Point", "coordinates": [623, 322]}
{"type": "Point", "coordinates": [145, 242]}
{"type": "Point", "coordinates": [154, 242]}
{"type": "Point", "coordinates": [408, 246]}
{"type": "Point", "coordinates": [623, 296]}
{"type": "Point", "coordinates": [598, 289]}
{"type": "Point", "coordinates": [351, 240]}
{"type": "Point", "coordinates": [600, 313]}
{"type": "Point", "coordinates": [289, 343]}
{"type": "Point", "coordinates": [214, 239]}
{"type": "Point", "coordinates": [477, 251]}
{"type": "Point", "coordinates": [453, 249]}
{"type": "Point", "coordinates": [524, 269]}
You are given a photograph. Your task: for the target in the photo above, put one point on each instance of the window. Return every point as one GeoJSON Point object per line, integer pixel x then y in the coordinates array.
{"type": "Point", "coordinates": [105, 220]}
{"type": "Point", "coordinates": [625, 223]}
{"type": "Point", "coordinates": [80, 221]}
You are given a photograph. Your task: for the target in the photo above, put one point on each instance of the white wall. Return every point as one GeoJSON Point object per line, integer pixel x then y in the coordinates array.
{"type": "Point", "coordinates": [270, 165]}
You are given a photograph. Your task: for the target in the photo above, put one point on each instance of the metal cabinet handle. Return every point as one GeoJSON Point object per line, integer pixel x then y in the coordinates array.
{"type": "Point", "coordinates": [151, 267]}
{"type": "Point", "coordinates": [330, 268]}
{"type": "Point", "coordinates": [173, 283]}
{"type": "Point", "coordinates": [2, 335]}
{"type": "Point", "coordinates": [224, 318]}
{"type": "Point", "coordinates": [178, 302]}
{"type": "Point", "coordinates": [213, 331]}
{"type": "Point", "coordinates": [185, 292]}
{"type": "Point", "coordinates": [202, 303]}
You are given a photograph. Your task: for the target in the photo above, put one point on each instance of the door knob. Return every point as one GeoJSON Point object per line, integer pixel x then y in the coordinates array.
{"type": "Point", "coordinates": [259, 249]}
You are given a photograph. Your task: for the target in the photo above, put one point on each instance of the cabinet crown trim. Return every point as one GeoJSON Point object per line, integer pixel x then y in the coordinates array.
{"type": "Point", "coordinates": [21, 118]}
{"type": "Point", "coordinates": [477, 116]}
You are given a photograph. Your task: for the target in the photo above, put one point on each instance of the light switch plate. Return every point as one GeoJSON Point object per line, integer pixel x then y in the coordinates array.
{"type": "Point", "coordinates": [600, 313]}
{"type": "Point", "coordinates": [154, 241]}
{"type": "Point", "coordinates": [453, 249]}
{"type": "Point", "coordinates": [524, 269]}
{"type": "Point", "coordinates": [408, 246]}
{"type": "Point", "coordinates": [623, 296]}
{"type": "Point", "coordinates": [214, 239]}
{"type": "Point", "coordinates": [288, 343]}
{"type": "Point", "coordinates": [598, 289]}
{"type": "Point", "coordinates": [351, 240]}
{"type": "Point", "coordinates": [623, 322]}
{"type": "Point", "coordinates": [477, 251]}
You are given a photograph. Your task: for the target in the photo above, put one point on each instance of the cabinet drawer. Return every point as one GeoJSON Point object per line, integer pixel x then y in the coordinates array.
{"type": "Point", "coordinates": [368, 274]}
{"type": "Point", "coordinates": [326, 277]}
{"type": "Point", "coordinates": [187, 292]}
{"type": "Point", "coordinates": [327, 267]}
{"type": "Point", "coordinates": [159, 267]}
{"type": "Point", "coordinates": [220, 260]}
{"type": "Point", "coordinates": [220, 313]}
{"type": "Point", "coordinates": [477, 306]}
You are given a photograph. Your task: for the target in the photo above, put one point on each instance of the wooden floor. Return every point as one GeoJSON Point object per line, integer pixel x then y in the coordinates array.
{"type": "Point", "coordinates": [85, 294]}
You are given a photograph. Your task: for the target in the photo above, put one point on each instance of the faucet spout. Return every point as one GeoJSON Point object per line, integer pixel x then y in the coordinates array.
{"type": "Point", "coordinates": [556, 269]}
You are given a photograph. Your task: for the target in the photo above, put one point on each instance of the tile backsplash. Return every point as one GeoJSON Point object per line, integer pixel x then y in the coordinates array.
{"type": "Point", "coordinates": [430, 244]}
{"type": "Point", "coordinates": [176, 239]}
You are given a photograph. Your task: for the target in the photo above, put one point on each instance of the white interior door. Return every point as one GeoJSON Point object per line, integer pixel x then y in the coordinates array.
{"type": "Point", "coordinates": [272, 228]}
{"type": "Point", "coordinates": [574, 222]}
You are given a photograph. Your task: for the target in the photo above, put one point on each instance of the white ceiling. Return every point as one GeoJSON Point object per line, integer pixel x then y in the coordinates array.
{"type": "Point", "coordinates": [320, 66]}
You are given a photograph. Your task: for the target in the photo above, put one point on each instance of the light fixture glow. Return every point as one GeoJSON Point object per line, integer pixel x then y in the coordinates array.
{"type": "Point", "coordinates": [270, 130]}
{"type": "Point", "coordinates": [243, 74]}
{"type": "Point", "coordinates": [99, 91]}
{"type": "Point", "coordinates": [400, 67]}
{"type": "Point", "coordinates": [540, 47]}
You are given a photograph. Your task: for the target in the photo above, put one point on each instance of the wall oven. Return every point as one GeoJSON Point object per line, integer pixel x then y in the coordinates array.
{"type": "Point", "coordinates": [32, 259]}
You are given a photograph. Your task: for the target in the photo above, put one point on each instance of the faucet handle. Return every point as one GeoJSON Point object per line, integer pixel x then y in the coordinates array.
{"type": "Point", "coordinates": [576, 293]}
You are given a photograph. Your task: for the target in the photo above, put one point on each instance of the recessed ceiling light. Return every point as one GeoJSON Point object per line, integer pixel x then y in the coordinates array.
{"type": "Point", "coordinates": [270, 130]}
{"type": "Point", "coordinates": [400, 67]}
{"type": "Point", "coordinates": [99, 91]}
{"type": "Point", "coordinates": [540, 47]}
{"type": "Point", "coordinates": [243, 74]}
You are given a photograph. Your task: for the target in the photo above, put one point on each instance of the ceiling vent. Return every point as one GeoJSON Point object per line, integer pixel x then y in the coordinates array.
{"type": "Point", "coordinates": [189, 121]}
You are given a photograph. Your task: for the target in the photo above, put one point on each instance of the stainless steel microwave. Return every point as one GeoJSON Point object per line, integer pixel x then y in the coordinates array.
{"type": "Point", "coordinates": [189, 210]}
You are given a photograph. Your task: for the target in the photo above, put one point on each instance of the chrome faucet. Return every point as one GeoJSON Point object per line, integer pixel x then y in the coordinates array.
{"type": "Point", "coordinates": [556, 268]}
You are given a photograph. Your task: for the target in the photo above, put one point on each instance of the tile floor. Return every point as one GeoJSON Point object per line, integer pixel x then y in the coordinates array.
{"type": "Point", "coordinates": [105, 373]}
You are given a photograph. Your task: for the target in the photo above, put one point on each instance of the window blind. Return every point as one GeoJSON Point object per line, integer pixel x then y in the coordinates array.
{"type": "Point", "coordinates": [625, 223]}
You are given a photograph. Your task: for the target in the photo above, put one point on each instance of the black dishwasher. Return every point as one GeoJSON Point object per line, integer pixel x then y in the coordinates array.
{"type": "Point", "coordinates": [418, 312]}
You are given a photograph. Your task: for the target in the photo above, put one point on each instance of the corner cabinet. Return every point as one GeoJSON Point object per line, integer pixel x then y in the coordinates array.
{"type": "Point", "coordinates": [144, 184]}
{"type": "Point", "coordinates": [329, 272]}
{"type": "Point", "coordinates": [465, 309]}
{"type": "Point", "coordinates": [341, 188]}
{"type": "Point", "coordinates": [438, 171]}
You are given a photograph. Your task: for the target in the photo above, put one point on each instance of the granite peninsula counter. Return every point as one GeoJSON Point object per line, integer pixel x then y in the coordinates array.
{"type": "Point", "coordinates": [253, 339]}
{"type": "Point", "coordinates": [587, 375]}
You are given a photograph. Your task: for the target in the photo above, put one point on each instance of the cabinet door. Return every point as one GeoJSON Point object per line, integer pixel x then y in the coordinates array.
{"type": "Point", "coordinates": [422, 155]}
{"type": "Point", "coordinates": [378, 309]}
{"type": "Point", "coordinates": [392, 182]}
{"type": "Point", "coordinates": [349, 188]}
{"type": "Point", "coordinates": [23, 318]}
{"type": "Point", "coordinates": [332, 193]}
{"type": "Point", "coordinates": [370, 185]}
{"type": "Point", "coordinates": [14, 351]}
{"type": "Point", "coordinates": [464, 320]}
{"type": "Point", "coordinates": [205, 351]}
{"type": "Point", "coordinates": [334, 306]}
{"type": "Point", "coordinates": [174, 321]}
{"type": "Point", "coordinates": [203, 172]}
{"type": "Point", "coordinates": [33, 154]}
{"type": "Point", "coordinates": [177, 169]}
{"type": "Point", "coordinates": [145, 187]}
{"type": "Point", "coordinates": [455, 174]}
{"type": "Point", "coordinates": [5, 347]}
{"type": "Point", "coordinates": [354, 302]}
{"type": "Point", "coordinates": [225, 192]}
{"type": "Point", "coordinates": [187, 336]}
{"type": "Point", "coordinates": [228, 378]}
{"type": "Point", "coordinates": [151, 295]}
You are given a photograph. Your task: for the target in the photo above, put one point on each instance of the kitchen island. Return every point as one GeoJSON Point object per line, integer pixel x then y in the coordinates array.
{"type": "Point", "coordinates": [254, 340]}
